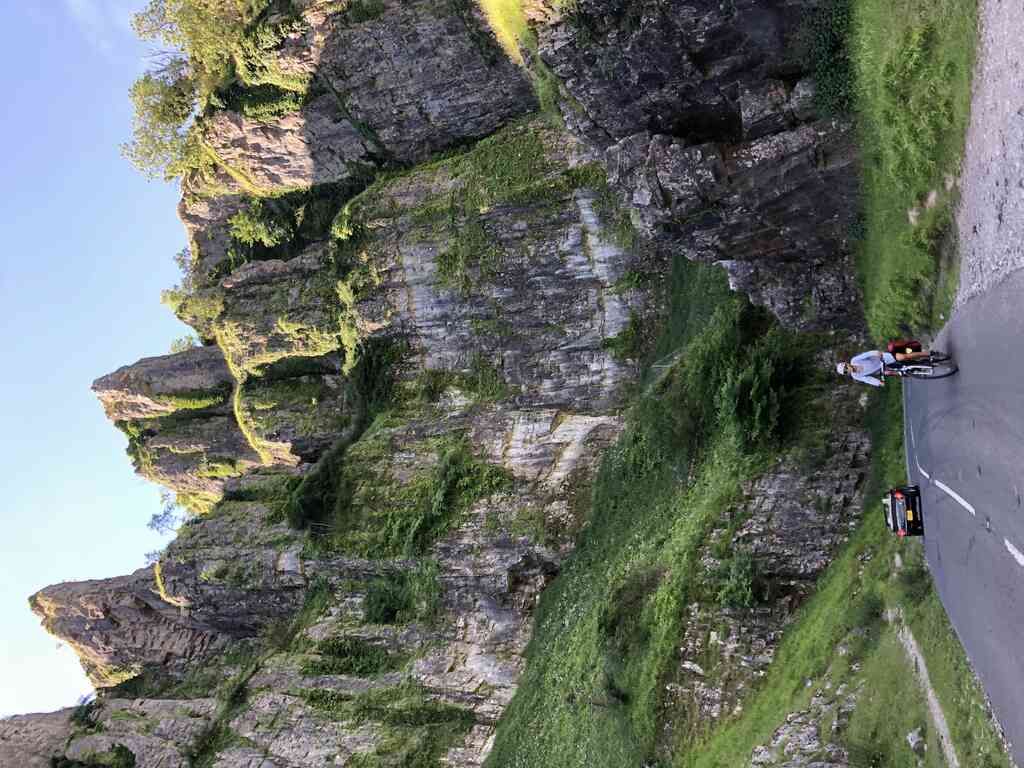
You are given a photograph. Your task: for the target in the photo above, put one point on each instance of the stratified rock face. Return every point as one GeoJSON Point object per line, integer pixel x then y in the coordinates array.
{"type": "Point", "coordinates": [31, 740]}
{"type": "Point", "coordinates": [519, 281]}
{"type": "Point", "coordinates": [708, 129]}
{"type": "Point", "coordinates": [417, 78]}
{"type": "Point", "coordinates": [157, 386]}
{"type": "Point", "coordinates": [222, 579]}
{"type": "Point", "coordinates": [157, 732]}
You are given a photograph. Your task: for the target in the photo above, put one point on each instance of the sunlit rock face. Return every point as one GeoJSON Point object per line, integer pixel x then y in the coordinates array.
{"type": "Point", "coordinates": [415, 79]}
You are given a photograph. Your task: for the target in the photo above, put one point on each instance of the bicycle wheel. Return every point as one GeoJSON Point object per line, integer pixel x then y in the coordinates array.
{"type": "Point", "coordinates": [940, 371]}
{"type": "Point", "coordinates": [936, 357]}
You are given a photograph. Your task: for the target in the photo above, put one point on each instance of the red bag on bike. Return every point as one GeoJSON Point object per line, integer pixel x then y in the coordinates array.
{"type": "Point", "coordinates": [903, 346]}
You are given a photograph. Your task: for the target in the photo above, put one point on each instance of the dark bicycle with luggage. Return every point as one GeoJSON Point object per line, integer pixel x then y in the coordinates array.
{"type": "Point", "coordinates": [937, 365]}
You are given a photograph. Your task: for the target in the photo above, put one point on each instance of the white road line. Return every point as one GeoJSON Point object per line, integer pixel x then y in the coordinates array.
{"type": "Point", "coordinates": [913, 447]}
{"type": "Point", "coordinates": [1017, 555]}
{"type": "Point", "coordinates": [955, 496]}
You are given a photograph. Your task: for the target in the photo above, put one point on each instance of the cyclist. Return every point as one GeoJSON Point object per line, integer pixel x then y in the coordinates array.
{"type": "Point", "coordinates": [867, 366]}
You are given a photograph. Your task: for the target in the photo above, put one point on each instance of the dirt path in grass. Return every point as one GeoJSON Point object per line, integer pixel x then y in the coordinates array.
{"type": "Point", "coordinates": [990, 219]}
{"type": "Point", "coordinates": [916, 658]}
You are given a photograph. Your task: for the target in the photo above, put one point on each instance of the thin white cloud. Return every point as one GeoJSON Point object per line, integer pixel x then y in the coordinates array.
{"type": "Point", "coordinates": [94, 21]}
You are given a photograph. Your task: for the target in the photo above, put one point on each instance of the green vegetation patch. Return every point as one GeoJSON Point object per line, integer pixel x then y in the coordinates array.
{"type": "Point", "coordinates": [306, 406]}
{"type": "Point", "coordinates": [482, 381]}
{"type": "Point", "coordinates": [417, 731]}
{"type": "Point", "coordinates": [912, 65]}
{"type": "Point", "coordinates": [822, 47]}
{"type": "Point", "coordinates": [119, 756]}
{"type": "Point", "coordinates": [194, 399]}
{"type": "Point", "coordinates": [631, 342]}
{"type": "Point", "coordinates": [283, 225]}
{"type": "Point", "coordinates": [607, 629]}
{"type": "Point", "coordinates": [265, 102]}
{"type": "Point", "coordinates": [401, 597]}
{"type": "Point", "coordinates": [357, 505]}
{"type": "Point", "coordinates": [346, 655]}
{"type": "Point", "coordinates": [361, 11]}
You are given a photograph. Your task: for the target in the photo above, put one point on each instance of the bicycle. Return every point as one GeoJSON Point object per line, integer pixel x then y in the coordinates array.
{"type": "Point", "coordinates": [938, 365]}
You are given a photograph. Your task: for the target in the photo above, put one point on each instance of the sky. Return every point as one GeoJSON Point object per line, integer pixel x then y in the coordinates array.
{"type": "Point", "coordinates": [88, 244]}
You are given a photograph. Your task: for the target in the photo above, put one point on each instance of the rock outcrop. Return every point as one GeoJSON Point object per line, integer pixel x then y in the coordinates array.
{"type": "Point", "coordinates": [158, 732]}
{"type": "Point", "coordinates": [707, 125]}
{"type": "Point", "coordinates": [223, 579]}
{"type": "Point", "coordinates": [789, 526]}
{"type": "Point", "coordinates": [395, 89]}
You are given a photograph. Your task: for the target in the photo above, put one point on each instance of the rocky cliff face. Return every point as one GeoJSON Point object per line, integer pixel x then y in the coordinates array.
{"type": "Point", "coordinates": [708, 128]}
{"type": "Point", "coordinates": [411, 371]}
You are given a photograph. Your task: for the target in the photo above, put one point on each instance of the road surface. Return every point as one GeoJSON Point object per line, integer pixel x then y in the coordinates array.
{"type": "Point", "coordinates": [965, 448]}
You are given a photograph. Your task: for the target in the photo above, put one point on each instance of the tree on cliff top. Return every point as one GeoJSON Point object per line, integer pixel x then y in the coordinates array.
{"type": "Point", "coordinates": [201, 37]}
{"type": "Point", "coordinates": [164, 101]}
{"type": "Point", "coordinates": [205, 31]}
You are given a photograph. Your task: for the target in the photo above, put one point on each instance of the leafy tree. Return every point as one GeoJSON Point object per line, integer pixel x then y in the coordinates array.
{"type": "Point", "coordinates": [184, 343]}
{"type": "Point", "coordinates": [203, 30]}
{"type": "Point", "coordinates": [167, 520]}
{"type": "Point", "coordinates": [258, 226]}
{"type": "Point", "coordinates": [202, 37]}
{"type": "Point", "coordinates": [164, 101]}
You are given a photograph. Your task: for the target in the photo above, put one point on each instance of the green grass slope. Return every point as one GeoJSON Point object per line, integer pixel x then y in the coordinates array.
{"type": "Point", "coordinates": [911, 63]}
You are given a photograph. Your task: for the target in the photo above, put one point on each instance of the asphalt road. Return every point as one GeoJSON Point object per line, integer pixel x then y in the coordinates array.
{"type": "Point", "coordinates": [965, 448]}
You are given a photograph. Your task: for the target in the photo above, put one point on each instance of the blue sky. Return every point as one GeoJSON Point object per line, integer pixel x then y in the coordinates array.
{"type": "Point", "coordinates": [89, 244]}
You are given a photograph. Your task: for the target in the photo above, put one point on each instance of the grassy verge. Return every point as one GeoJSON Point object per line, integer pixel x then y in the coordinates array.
{"type": "Point", "coordinates": [912, 62]}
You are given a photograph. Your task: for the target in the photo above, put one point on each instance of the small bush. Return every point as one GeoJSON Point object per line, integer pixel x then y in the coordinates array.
{"type": "Point", "coordinates": [825, 52]}
{"type": "Point", "coordinates": [914, 579]}
{"type": "Point", "coordinates": [404, 596]}
{"type": "Point", "coordinates": [737, 579]}
{"type": "Point", "coordinates": [457, 481]}
{"type": "Point", "coordinates": [257, 226]}
{"type": "Point", "coordinates": [360, 11]}
{"type": "Point", "coordinates": [208, 744]}
{"type": "Point", "coordinates": [406, 705]}
{"type": "Point", "coordinates": [264, 102]}
{"type": "Point", "coordinates": [184, 343]}
{"type": "Point", "coordinates": [351, 656]}
{"type": "Point", "coordinates": [751, 397]}
{"type": "Point", "coordinates": [84, 716]}
{"type": "Point", "coordinates": [631, 342]}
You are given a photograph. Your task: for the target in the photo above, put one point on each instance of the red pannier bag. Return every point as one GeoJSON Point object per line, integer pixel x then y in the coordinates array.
{"type": "Point", "coordinates": [903, 346]}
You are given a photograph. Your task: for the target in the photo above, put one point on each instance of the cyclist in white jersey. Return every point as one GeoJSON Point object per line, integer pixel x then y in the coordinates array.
{"type": "Point", "coordinates": [867, 366]}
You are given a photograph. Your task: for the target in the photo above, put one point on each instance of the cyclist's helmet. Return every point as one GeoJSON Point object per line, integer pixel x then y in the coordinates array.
{"type": "Point", "coordinates": [841, 369]}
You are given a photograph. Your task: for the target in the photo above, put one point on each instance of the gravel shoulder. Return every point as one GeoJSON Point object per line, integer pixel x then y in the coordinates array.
{"type": "Point", "coordinates": [990, 218]}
